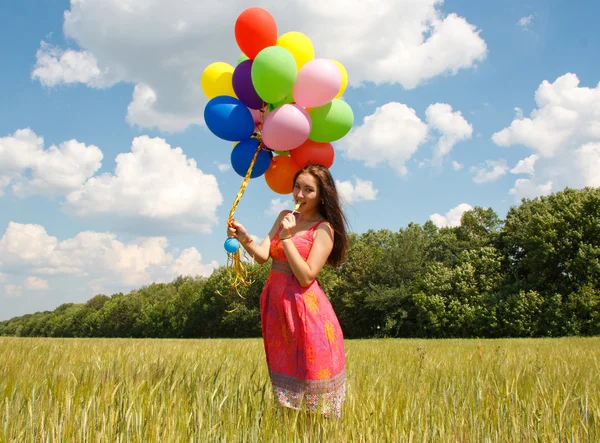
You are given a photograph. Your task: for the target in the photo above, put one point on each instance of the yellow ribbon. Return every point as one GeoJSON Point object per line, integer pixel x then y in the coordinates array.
{"type": "Point", "coordinates": [234, 259]}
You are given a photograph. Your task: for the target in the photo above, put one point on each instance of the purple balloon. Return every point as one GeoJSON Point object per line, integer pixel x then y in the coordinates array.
{"type": "Point", "coordinates": [243, 87]}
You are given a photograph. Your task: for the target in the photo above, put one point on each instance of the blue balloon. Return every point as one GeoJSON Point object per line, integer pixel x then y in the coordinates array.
{"type": "Point", "coordinates": [242, 155]}
{"type": "Point", "coordinates": [232, 245]}
{"type": "Point", "coordinates": [228, 118]}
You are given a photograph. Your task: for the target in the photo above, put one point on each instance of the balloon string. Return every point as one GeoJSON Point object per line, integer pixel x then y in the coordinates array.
{"type": "Point", "coordinates": [234, 259]}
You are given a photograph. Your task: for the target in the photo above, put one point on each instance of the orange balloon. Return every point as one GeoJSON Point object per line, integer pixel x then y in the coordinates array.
{"type": "Point", "coordinates": [313, 153]}
{"type": "Point", "coordinates": [255, 29]}
{"type": "Point", "coordinates": [280, 175]}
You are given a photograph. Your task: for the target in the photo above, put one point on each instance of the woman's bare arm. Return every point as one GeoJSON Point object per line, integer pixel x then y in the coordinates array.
{"type": "Point", "coordinates": [306, 271]}
{"type": "Point", "coordinates": [261, 252]}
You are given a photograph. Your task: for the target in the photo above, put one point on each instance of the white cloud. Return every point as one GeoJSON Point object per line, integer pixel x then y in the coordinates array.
{"type": "Point", "coordinates": [55, 66]}
{"type": "Point", "coordinates": [490, 171]}
{"type": "Point", "coordinates": [394, 133]}
{"type": "Point", "coordinates": [28, 244]}
{"type": "Point", "coordinates": [189, 262]}
{"type": "Point", "coordinates": [224, 167]}
{"type": "Point", "coordinates": [360, 190]}
{"type": "Point", "coordinates": [452, 126]}
{"type": "Point", "coordinates": [142, 111]}
{"type": "Point", "coordinates": [566, 116]}
{"type": "Point", "coordinates": [12, 290]}
{"type": "Point", "coordinates": [524, 22]}
{"type": "Point", "coordinates": [563, 132]}
{"type": "Point", "coordinates": [525, 166]}
{"type": "Point", "coordinates": [36, 284]}
{"type": "Point", "coordinates": [99, 258]}
{"type": "Point", "coordinates": [526, 188]}
{"type": "Point", "coordinates": [277, 205]}
{"type": "Point", "coordinates": [391, 135]}
{"type": "Point", "coordinates": [588, 160]}
{"type": "Point", "coordinates": [155, 187]}
{"type": "Point", "coordinates": [35, 170]}
{"type": "Point", "coordinates": [163, 47]}
{"type": "Point", "coordinates": [457, 166]}
{"type": "Point", "coordinates": [519, 113]}
{"type": "Point", "coordinates": [2, 277]}
{"type": "Point", "coordinates": [4, 182]}
{"type": "Point", "coordinates": [452, 217]}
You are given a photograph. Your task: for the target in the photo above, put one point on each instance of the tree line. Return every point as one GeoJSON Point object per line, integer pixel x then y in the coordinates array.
{"type": "Point", "coordinates": [534, 274]}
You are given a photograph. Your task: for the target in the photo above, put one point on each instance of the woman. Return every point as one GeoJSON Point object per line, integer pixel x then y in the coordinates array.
{"type": "Point", "coordinates": [302, 336]}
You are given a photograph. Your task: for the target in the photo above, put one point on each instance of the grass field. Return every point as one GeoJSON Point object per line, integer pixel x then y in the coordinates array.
{"type": "Point", "coordinates": [121, 390]}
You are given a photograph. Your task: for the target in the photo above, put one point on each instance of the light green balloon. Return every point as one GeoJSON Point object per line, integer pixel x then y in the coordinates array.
{"type": "Point", "coordinates": [242, 57]}
{"type": "Point", "coordinates": [273, 73]}
{"type": "Point", "coordinates": [287, 153]}
{"type": "Point", "coordinates": [331, 122]}
{"type": "Point", "coordinates": [287, 99]}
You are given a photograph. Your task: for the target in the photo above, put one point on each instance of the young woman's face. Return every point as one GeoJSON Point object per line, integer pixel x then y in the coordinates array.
{"type": "Point", "coordinates": [306, 192]}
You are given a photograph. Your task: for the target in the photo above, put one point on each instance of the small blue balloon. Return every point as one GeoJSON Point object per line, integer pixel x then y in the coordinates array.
{"type": "Point", "coordinates": [228, 118]}
{"type": "Point", "coordinates": [242, 155]}
{"type": "Point", "coordinates": [232, 245]}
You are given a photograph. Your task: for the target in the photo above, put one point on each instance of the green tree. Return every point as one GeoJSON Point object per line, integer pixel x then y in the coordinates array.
{"type": "Point", "coordinates": [552, 243]}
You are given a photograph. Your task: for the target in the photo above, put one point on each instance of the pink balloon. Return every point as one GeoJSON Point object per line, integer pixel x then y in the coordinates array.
{"type": "Point", "coordinates": [317, 83]}
{"type": "Point", "coordinates": [286, 127]}
{"type": "Point", "coordinates": [256, 114]}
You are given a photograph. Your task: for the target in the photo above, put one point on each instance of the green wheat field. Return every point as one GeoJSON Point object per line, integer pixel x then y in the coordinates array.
{"type": "Point", "coordinates": [125, 390]}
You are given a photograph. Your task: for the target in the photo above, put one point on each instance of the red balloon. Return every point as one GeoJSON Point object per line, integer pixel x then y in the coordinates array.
{"type": "Point", "coordinates": [313, 153]}
{"type": "Point", "coordinates": [255, 29]}
{"type": "Point", "coordinates": [280, 175]}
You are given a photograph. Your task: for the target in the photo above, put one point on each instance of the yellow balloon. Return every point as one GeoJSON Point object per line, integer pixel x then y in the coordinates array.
{"type": "Point", "coordinates": [299, 45]}
{"type": "Point", "coordinates": [216, 80]}
{"type": "Point", "coordinates": [344, 78]}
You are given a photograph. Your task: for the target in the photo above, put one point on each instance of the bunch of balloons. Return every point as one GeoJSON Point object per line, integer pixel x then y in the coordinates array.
{"type": "Point", "coordinates": [280, 105]}
{"type": "Point", "coordinates": [279, 100]}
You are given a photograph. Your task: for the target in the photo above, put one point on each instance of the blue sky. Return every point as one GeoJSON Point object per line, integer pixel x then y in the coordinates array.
{"type": "Point", "coordinates": [457, 104]}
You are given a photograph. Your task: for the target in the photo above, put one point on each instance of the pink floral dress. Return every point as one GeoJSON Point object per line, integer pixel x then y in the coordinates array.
{"type": "Point", "coordinates": [303, 340]}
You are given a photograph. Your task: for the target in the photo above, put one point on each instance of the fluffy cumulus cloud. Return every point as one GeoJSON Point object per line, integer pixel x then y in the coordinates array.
{"type": "Point", "coordinates": [31, 169]}
{"type": "Point", "coordinates": [451, 126]}
{"type": "Point", "coordinates": [394, 133]}
{"type": "Point", "coordinates": [13, 290]}
{"type": "Point", "coordinates": [563, 133]}
{"type": "Point", "coordinates": [162, 47]}
{"type": "Point", "coordinates": [36, 284]}
{"type": "Point", "coordinates": [96, 259]}
{"type": "Point", "coordinates": [153, 187]}
{"type": "Point", "coordinates": [527, 188]}
{"type": "Point", "coordinates": [452, 217]}
{"type": "Point", "coordinates": [143, 112]}
{"type": "Point", "coordinates": [360, 190]}
{"type": "Point", "coordinates": [391, 135]}
{"type": "Point", "coordinates": [490, 171]}
{"type": "Point", "coordinates": [587, 159]}
{"type": "Point", "coordinates": [526, 166]}
{"type": "Point", "coordinates": [277, 205]}
{"type": "Point", "coordinates": [55, 66]}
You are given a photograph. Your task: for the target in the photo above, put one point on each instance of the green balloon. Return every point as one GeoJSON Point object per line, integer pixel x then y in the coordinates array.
{"type": "Point", "coordinates": [273, 73]}
{"type": "Point", "coordinates": [241, 58]}
{"type": "Point", "coordinates": [287, 99]}
{"type": "Point", "coordinates": [331, 122]}
{"type": "Point", "coordinates": [287, 153]}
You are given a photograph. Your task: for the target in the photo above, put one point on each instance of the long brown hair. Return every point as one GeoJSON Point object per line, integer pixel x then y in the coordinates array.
{"type": "Point", "coordinates": [331, 210]}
